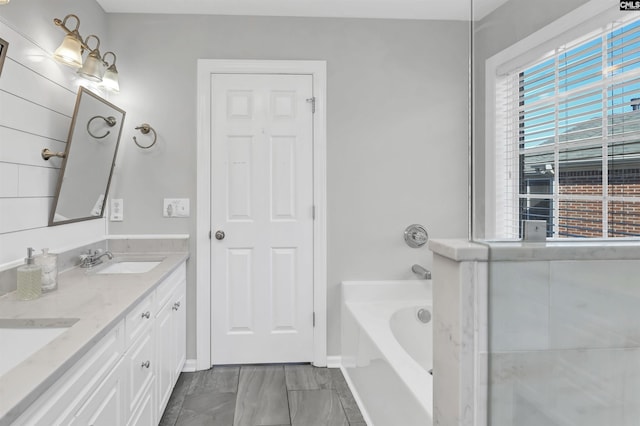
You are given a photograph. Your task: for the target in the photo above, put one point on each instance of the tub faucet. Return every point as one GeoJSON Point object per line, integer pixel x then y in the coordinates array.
{"type": "Point", "coordinates": [90, 260]}
{"type": "Point", "coordinates": [422, 272]}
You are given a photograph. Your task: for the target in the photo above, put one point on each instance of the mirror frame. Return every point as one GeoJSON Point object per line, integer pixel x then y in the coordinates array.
{"type": "Point", "coordinates": [84, 91]}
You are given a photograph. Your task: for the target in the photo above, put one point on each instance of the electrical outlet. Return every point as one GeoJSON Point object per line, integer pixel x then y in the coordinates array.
{"type": "Point", "coordinates": [116, 212]}
{"type": "Point", "coordinates": [176, 207]}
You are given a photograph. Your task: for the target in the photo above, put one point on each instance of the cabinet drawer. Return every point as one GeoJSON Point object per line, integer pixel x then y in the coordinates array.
{"type": "Point", "coordinates": [139, 319]}
{"type": "Point", "coordinates": [165, 289]}
{"type": "Point", "coordinates": [141, 365]}
{"type": "Point", "coordinates": [57, 406]}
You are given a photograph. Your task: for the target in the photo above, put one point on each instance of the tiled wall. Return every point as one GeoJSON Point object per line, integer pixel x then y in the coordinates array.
{"type": "Point", "coordinates": [37, 98]}
{"type": "Point", "coordinates": [564, 343]}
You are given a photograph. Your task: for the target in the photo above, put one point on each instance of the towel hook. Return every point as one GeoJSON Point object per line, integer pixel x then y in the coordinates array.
{"type": "Point", "coordinates": [111, 121]}
{"type": "Point", "coordinates": [145, 129]}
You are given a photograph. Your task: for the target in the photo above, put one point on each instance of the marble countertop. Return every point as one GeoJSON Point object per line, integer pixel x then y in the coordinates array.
{"type": "Point", "coordinates": [98, 301]}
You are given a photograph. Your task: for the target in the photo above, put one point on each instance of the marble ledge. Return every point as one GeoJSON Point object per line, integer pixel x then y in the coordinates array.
{"type": "Point", "coordinates": [459, 249]}
{"type": "Point", "coordinates": [564, 250]}
{"type": "Point", "coordinates": [482, 251]}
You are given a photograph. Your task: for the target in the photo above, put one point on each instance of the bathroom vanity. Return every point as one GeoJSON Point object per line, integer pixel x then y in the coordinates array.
{"type": "Point", "coordinates": [118, 350]}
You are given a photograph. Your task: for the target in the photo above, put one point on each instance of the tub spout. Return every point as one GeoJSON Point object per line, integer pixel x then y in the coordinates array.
{"type": "Point", "coordinates": [422, 272]}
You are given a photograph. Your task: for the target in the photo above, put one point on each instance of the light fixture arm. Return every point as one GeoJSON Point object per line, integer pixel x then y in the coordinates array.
{"type": "Point", "coordinates": [86, 43]}
{"type": "Point", "coordinates": [63, 24]}
{"type": "Point", "coordinates": [111, 64]}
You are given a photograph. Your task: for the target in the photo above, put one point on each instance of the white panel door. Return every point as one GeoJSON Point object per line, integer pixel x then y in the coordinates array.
{"type": "Point", "coordinates": [262, 200]}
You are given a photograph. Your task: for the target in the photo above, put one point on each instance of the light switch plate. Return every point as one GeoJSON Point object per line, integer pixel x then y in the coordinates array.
{"type": "Point", "coordinates": [116, 211]}
{"type": "Point", "coordinates": [176, 207]}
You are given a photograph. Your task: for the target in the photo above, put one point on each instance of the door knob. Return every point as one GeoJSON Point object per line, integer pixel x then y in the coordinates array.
{"type": "Point", "coordinates": [219, 235]}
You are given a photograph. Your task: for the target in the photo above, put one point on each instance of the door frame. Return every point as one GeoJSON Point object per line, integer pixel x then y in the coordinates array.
{"type": "Point", "coordinates": [318, 71]}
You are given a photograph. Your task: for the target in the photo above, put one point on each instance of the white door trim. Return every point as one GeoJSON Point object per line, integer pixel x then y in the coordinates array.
{"type": "Point", "coordinates": [318, 71]}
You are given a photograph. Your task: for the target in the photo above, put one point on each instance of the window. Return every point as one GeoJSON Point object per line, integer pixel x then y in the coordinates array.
{"type": "Point", "coordinates": [570, 132]}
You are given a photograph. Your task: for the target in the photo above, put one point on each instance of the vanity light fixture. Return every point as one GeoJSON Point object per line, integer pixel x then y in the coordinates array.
{"type": "Point", "coordinates": [4, 2]}
{"type": "Point", "coordinates": [70, 51]}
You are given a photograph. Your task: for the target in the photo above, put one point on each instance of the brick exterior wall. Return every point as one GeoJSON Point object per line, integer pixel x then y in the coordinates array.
{"type": "Point", "coordinates": [584, 218]}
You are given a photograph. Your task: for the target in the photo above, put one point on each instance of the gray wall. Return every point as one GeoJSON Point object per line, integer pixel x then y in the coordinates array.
{"type": "Point", "coordinates": [397, 129]}
{"type": "Point", "coordinates": [510, 23]}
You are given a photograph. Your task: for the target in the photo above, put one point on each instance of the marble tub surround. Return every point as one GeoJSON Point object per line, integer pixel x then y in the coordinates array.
{"type": "Point", "coordinates": [99, 302]}
{"type": "Point", "coordinates": [536, 333]}
{"type": "Point", "coordinates": [564, 339]}
{"type": "Point", "coordinates": [459, 332]}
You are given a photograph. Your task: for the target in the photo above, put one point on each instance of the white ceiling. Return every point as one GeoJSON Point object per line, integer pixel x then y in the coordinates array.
{"type": "Point", "coordinates": [392, 9]}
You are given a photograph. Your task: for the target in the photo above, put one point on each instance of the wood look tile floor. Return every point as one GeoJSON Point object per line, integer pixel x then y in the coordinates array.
{"type": "Point", "coordinates": [262, 395]}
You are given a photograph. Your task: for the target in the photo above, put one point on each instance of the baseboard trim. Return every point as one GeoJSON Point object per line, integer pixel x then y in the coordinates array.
{"type": "Point", "coordinates": [189, 366]}
{"type": "Point", "coordinates": [334, 361]}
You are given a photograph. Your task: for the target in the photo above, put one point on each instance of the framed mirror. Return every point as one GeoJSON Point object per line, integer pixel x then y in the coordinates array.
{"type": "Point", "coordinates": [89, 159]}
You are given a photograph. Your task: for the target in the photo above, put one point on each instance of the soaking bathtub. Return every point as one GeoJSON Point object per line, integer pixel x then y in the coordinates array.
{"type": "Point", "coordinates": [387, 351]}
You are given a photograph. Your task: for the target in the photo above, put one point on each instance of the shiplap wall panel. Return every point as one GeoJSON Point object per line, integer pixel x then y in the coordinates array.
{"type": "Point", "coordinates": [36, 181]}
{"type": "Point", "coordinates": [25, 83]}
{"type": "Point", "coordinates": [24, 148]}
{"type": "Point", "coordinates": [20, 114]}
{"type": "Point", "coordinates": [24, 51]}
{"type": "Point", "coordinates": [37, 98]}
{"type": "Point", "coordinates": [23, 213]}
{"type": "Point", "coordinates": [8, 184]}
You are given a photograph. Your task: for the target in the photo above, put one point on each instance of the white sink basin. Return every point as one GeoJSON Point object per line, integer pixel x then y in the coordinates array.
{"type": "Point", "coordinates": [21, 338]}
{"type": "Point", "coordinates": [129, 267]}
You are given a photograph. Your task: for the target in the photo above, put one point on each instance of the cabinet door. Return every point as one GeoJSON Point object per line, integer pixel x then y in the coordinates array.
{"type": "Point", "coordinates": [165, 354]}
{"type": "Point", "coordinates": [141, 364]}
{"type": "Point", "coordinates": [106, 406]}
{"type": "Point", "coordinates": [179, 330]}
{"type": "Point", "coordinates": [144, 415]}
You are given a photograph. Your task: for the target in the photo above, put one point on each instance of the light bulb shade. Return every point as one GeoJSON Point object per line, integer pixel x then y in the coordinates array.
{"type": "Point", "coordinates": [110, 79]}
{"type": "Point", "coordinates": [94, 67]}
{"type": "Point", "coordinates": [4, 1]}
{"type": "Point", "coordinates": [69, 52]}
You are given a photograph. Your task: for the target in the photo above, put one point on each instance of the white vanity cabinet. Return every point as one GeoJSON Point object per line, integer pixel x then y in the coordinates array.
{"type": "Point", "coordinates": [127, 377]}
{"type": "Point", "coordinates": [170, 335]}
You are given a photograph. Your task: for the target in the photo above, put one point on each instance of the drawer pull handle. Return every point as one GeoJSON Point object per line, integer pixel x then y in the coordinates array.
{"type": "Point", "coordinates": [176, 306]}
{"type": "Point", "coordinates": [146, 364]}
{"type": "Point", "coordinates": [146, 315]}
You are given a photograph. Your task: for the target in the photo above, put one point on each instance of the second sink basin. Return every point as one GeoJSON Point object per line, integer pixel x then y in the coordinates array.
{"type": "Point", "coordinates": [20, 338]}
{"type": "Point", "coordinates": [129, 267]}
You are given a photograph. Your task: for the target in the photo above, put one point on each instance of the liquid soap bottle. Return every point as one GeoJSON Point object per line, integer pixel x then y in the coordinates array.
{"type": "Point", "coordinates": [29, 278]}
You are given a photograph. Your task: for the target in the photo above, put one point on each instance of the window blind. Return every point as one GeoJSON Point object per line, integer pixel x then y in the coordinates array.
{"type": "Point", "coordinates": [569, 127]}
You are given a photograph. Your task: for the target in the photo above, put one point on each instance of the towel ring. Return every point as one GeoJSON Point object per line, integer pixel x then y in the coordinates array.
{"type": "Point", "coordinates": [145, 129]}
{"type": "Point", "coordinates": [111, 121]}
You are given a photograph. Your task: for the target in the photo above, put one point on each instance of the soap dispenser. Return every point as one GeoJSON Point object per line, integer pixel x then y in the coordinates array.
{"type": "Point", "coordinates": [29, 278]}
{"type": "Point", "coordinates": [49, 264]}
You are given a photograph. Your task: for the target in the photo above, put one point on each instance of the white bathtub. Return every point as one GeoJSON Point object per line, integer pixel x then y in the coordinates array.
{"type": "Point", "coordinates": [387, 352]}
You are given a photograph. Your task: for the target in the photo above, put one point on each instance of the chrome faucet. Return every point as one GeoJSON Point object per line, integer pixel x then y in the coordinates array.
{"type": "Point", "coordinates": [90, 259]}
